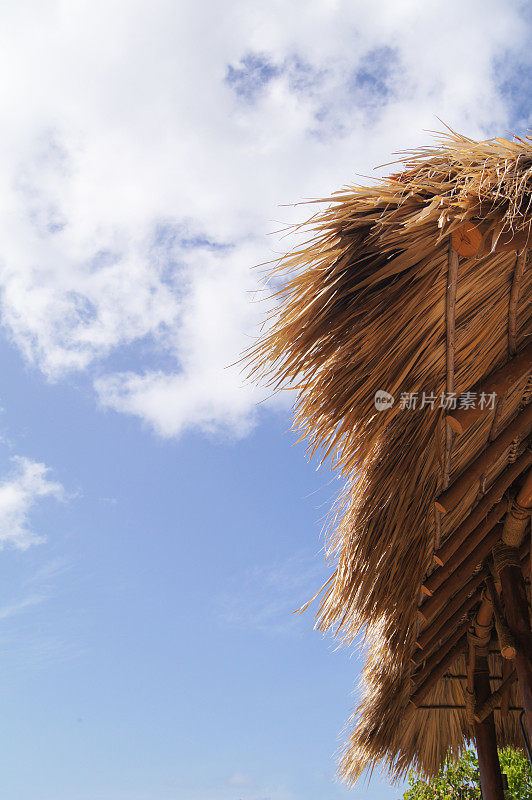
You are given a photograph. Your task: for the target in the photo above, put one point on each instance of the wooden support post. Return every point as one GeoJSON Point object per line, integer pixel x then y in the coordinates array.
{"type": "Point", "coordinates": [508, 565]}
{"type": "Point", "coordinates": [516, 606]}
{"type": "Point", "coordinates": [485, 737]}
{"type": "Point", "coordinates": [477, 694]}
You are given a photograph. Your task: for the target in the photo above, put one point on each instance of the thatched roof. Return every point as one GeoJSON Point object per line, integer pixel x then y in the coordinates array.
{"type": "Point", "coordinates": [367, 305]}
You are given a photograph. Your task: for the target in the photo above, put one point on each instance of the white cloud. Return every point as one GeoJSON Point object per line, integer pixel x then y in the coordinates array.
{"type": "Point", "coordinates": [144, 155]}
{"type": "Point", "coordinates": [206, 392]}
{"type": "Point", "coordinates": [27, 484]}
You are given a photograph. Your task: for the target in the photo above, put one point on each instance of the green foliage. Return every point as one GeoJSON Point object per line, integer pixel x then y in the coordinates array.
{"type": "Point", "coordinates": [515, 764]}
{"type": "Point", "coordinates": [459, 780]}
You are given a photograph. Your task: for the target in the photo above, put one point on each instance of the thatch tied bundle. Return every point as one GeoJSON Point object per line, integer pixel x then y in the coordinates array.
{"type": "Point", "coordinates": [379, 300]}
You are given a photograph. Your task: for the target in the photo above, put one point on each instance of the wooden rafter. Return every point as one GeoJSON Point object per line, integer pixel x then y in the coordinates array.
{"type": "Point", "coordinates": [450, 596]}
{"type": "Point", "coordinates": [475, 538]}
{"type": "Point", "coordinates": [518, 429]}
{"type": "Point", "coordinates": [439, 669]}
{"type": "Point", "coordinates": [517, 612]}
{"type": "Point", "coordinates": [455, 610]}
{"type": "Point", "coordinates": [435, 659]}
{"type": "Point", "coordinates": [462, 573]}
{"type": "Point", "coordinates": [505, 479]}
{"type": "Point", "coordinates": [498, 382]}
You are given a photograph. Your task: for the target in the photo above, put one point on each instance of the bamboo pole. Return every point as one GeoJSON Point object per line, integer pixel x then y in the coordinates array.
{"type": "Point", "coordinates": [518, 515]}
{"type": "Point", "coordinates": [514, 591]}
{"type": "Point", "coordinates": [514, 300]}
{"type": "Point", "coordinates": [451, 597]}
{"type": "Point", "coordinates": [479, 696]}
{"type": "Point", "coordinates": [450, 335]}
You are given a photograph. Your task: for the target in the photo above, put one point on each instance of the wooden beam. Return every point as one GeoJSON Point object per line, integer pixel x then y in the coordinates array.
{"type": "Point", "coordinates": [517, 429]}
{"type": "Point", "coordinates": [467, 239]}
{"type": "Point", "coordinates": [492, 496]}
{"type": "Point", "coordinates": [461, 574]}
{"type": "Point", "coordinates": [485, 736]}
{"type": "Point", "coordinates": [514, 593]}
{"type": "Point", "coordinates": [498, 382]}
{"type": "Point", "coordinates": [473, 238]}
{"type": "Point", "coordinates": [468, 545]}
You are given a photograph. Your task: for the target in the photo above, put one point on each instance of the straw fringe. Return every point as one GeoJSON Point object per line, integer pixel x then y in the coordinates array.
{"type": "Point", "coordinates": [361, 308]}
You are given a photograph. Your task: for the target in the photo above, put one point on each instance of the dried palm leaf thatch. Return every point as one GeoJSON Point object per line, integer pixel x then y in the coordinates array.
{"type": "Point", "coordinates": [362, 308]}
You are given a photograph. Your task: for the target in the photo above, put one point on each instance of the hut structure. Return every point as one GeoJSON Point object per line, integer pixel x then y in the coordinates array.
{"type": "Point", "coordinates": [405, 326]}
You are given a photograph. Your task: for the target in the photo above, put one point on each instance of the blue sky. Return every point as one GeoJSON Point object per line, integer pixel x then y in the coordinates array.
{"type": "Point", "coordinates": [158, 522]}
